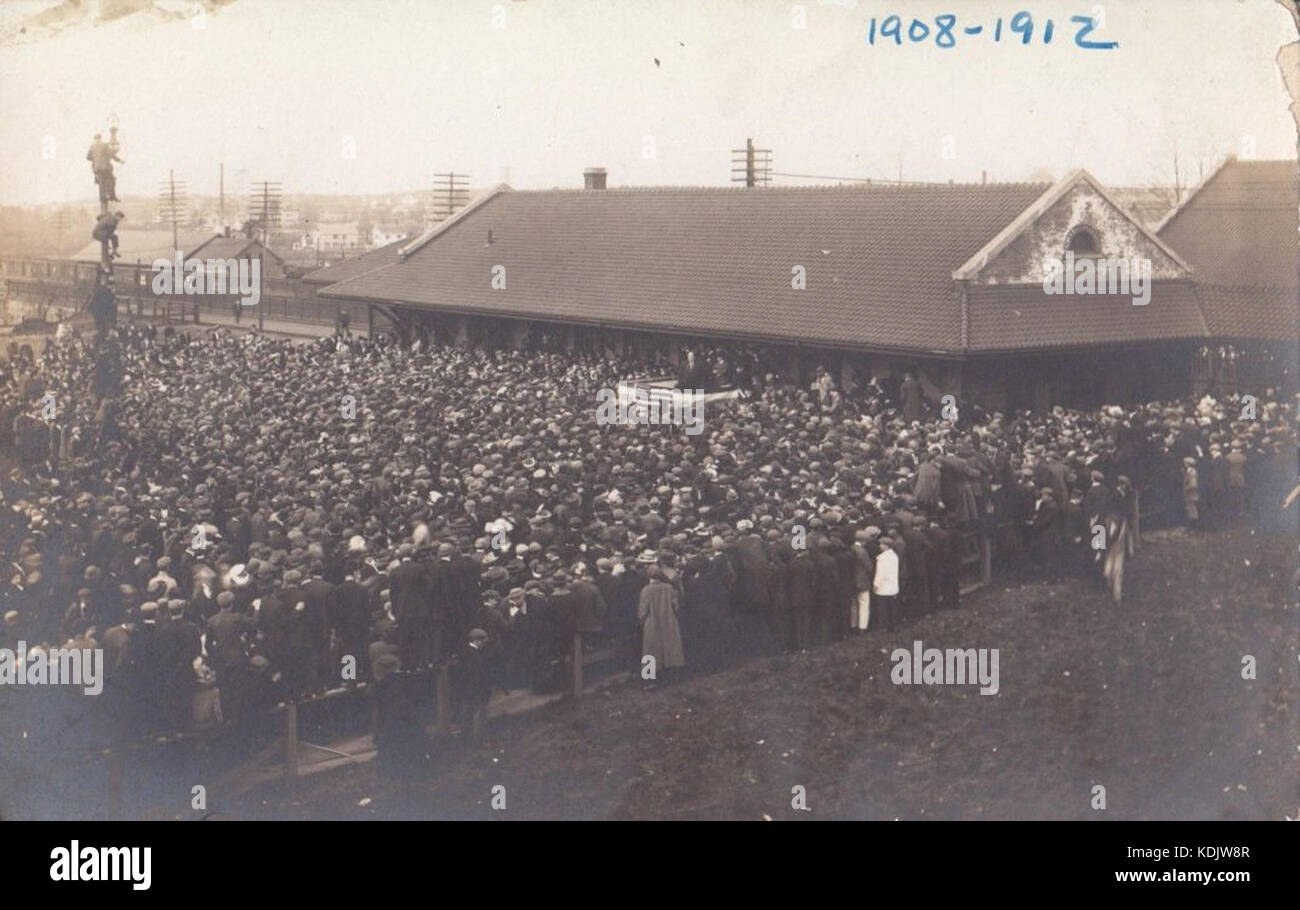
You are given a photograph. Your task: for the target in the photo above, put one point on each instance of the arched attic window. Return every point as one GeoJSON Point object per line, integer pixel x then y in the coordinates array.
{"type": "Point", "coordinates": [1083, 241]}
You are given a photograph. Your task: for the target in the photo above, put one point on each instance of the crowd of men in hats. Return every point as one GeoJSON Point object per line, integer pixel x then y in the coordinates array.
{"type": "Point", "coordinates": [246, 516]}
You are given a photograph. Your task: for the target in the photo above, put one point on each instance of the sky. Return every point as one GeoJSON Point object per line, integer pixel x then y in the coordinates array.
{"type": "Point", "coordinates": [370, 96]}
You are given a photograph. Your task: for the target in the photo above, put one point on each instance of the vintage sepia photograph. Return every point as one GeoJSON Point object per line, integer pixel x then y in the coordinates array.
{"type": "Point", "coordinates": [623, 410]}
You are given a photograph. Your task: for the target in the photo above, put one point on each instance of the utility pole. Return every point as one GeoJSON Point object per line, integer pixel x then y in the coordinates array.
{"type": "Point", "coordinates": [752, 166]}
{"type": "Point", "coordinates": [103, 302]}
{"type": "Point", "coordinates": [450, 193]}
{"type": "Point", "coordinates": [221, 199]}
{"type": "Point", "coordinates": [172, 206]}
{"type": "Point", "coordinates": [265, 200]}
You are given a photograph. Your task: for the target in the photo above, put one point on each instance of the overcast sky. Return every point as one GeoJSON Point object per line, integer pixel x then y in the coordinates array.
{"type": "Point", "coordinates": [278, 88]}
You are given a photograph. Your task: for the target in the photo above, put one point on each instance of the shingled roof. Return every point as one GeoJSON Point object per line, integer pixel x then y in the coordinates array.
{"type": "Point", "coordinates": [1239, 232]}
{"type": "Point", "coordinates": [713, 261]}
{"type": "Point", "coordinates": [1022, 317]}
{"type": "Point", "coordinates": [346, 269]}
{"type": "Point", "coordinates": [220, 247]}
{"type": "Point", "coordinates": [1239, 311]}
{"type": "Point", "coordinates": [1239, 227]}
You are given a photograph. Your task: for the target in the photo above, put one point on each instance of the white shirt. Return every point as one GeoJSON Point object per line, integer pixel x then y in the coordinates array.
{"type": "Point", "coordinates": [885, 583]}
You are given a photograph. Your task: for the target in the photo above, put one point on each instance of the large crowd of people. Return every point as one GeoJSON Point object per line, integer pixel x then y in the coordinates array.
{"type": "Point", "coordinates": [238, 515]}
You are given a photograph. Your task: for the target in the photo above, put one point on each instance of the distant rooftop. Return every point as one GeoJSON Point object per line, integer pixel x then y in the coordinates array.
{"type": "Point", "coordinates": [144, 245]}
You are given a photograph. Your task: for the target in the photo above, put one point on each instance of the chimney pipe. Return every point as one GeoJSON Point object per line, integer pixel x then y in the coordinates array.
{"type": "Point", "coordinates": [593, 178]}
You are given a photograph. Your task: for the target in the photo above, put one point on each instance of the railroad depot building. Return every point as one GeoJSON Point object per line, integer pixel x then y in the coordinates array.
{"type": "Point", "coordinates": [868, 280]}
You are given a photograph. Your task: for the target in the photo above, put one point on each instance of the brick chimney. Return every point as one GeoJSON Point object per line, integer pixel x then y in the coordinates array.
{"type": "Point", "coordinates": [593, 178]}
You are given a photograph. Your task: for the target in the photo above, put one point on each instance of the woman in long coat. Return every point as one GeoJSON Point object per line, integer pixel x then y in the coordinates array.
{"type": "Point", "coordinates": [955, 476]}
{"type": "Point", "coordinates": [661, 636]}
{"type": "Point", "coordinates": [928, 491]}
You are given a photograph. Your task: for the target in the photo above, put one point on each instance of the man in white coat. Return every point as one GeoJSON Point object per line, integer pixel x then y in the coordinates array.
{"type": "Point", "coordinates": [885, 584]}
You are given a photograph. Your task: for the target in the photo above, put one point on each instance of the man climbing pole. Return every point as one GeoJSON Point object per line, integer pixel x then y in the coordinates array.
{"type": "Point", "coordinates": [105, 231]}
{"type": "Point", "coordinates": [103, 308]}
{"type": "Point", "coordinates": [101, 157]}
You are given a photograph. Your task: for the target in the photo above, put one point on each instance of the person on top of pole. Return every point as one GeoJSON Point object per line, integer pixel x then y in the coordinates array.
{"type": "Point", "coordinates": [101, 157]}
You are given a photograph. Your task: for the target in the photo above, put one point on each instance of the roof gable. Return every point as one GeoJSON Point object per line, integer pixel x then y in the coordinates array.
{"type": "Point", "coordinates": [1019, 253]}
{"type": "Point", "coordinates": [221, 247]}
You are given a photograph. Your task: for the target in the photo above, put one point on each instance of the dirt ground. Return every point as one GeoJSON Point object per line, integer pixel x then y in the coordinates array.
{"type": "Point", "coordinates": [1146, 700]}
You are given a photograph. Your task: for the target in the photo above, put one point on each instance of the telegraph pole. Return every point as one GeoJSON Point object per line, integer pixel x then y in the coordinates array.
{"type": "Point", "coordinates": [172, 205]}
{"type": "Point", "coordinates": [265, 200]}
{"type": "Point", "coordinates": [450, 193]}
{"type": "Point", "coordinates": [751, 166]}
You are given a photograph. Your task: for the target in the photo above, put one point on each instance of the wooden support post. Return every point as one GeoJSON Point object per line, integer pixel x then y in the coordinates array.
{"type": "Point", "coordinates": [443, 698]}
{"type": "Point", "coordinates": [291, 741]}
{"type": "Point", "coordinates": [577, 665]}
